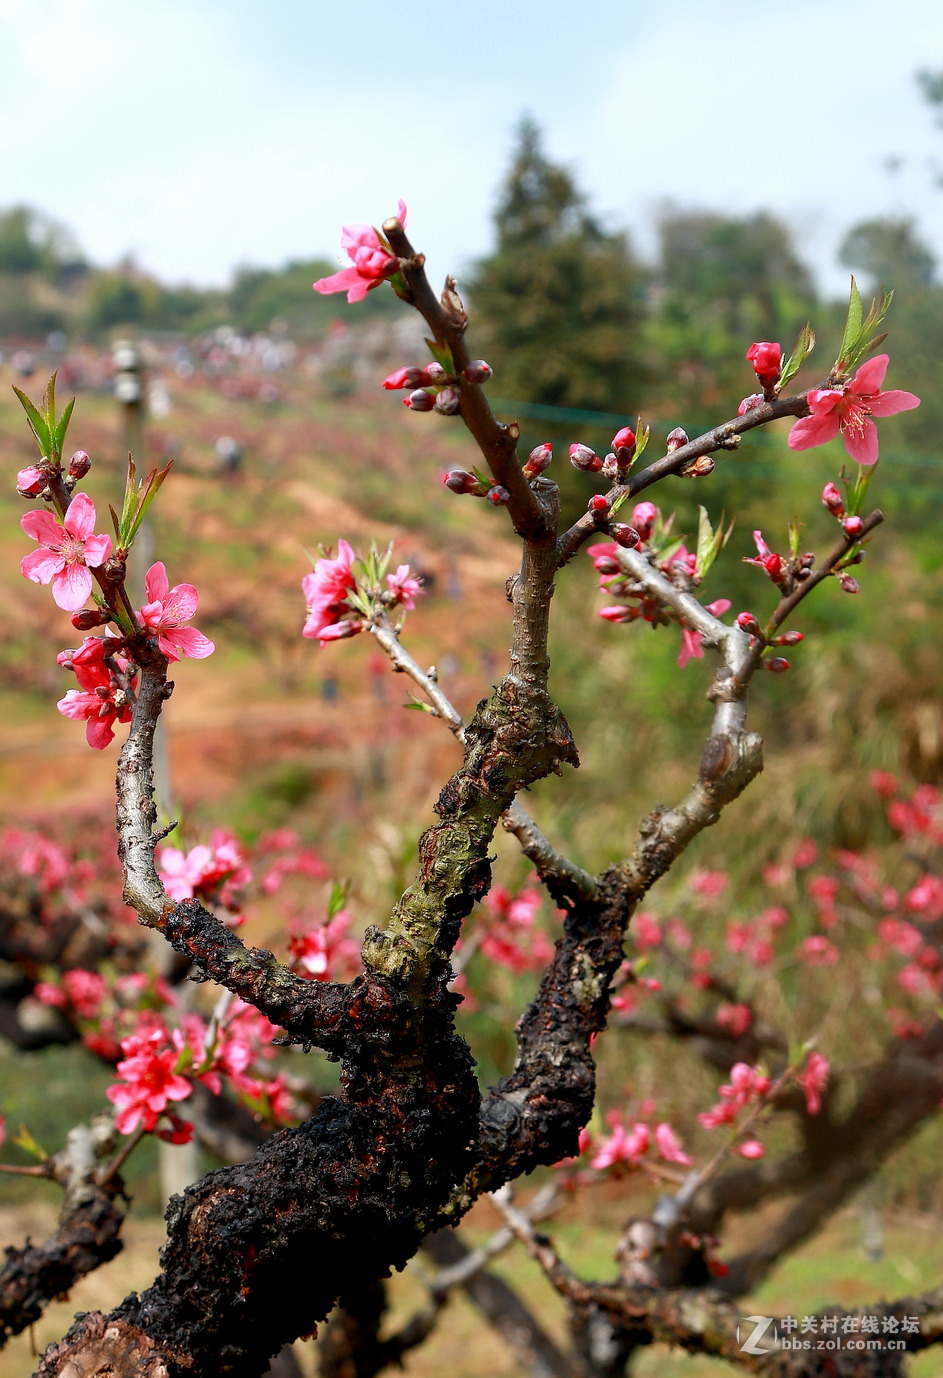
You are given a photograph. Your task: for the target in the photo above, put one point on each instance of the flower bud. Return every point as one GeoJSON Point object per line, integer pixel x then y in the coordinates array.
{"type": "Point", "coordinates": [789, 639]}
{"type": "Point", "coordinates": [852, 526]}
{"type": "Point", "coordinates": [676, 439]}
{"type": "Point", "coordinates": [607, 564]}
{"type": "Point", "coordinates": [79, 464]}
{"type": "Point", "coordinates": [477, 371]}
{"type": "Point", "coordinates": [776, 664]}
{"type": "Point", "coordinates": [30, 482]}
{"type": "Point", "coordinates": [849, 584]}
{"type": "Point", "coordinates": [461, 481]}
{"type": "Point", "coordinates": [432, 373]}
{"type": "Point", "coordinates": [419, 400]}
{"type": "Point", "coordinates": [698, 468]}
{"type": "Point", "coordinates": [446, 403]}
{"type": "Point", "coordinates": [767, 360]}
{"type": "Point", "coordinates": [499, 496]}
{"type": "Point", "coordinates": [582, 457]}
{"type": "Point", "coordinates": [88, 618]}
{"type": "Point", "coordinates": [755, 399]}
{"type": "Point", "coordinates": [538, 459]}
{"type": "Point", "coordinates": [624, 535]}
{"type": "Point", "coordinates": [403, 378]}
{"type": "Point", "coordinates": [832, 499]}
{"type": "Point", "coordinates": [598, 505]}
{"type": "Point", "coordinates": [748, 623]}
{"type": "Point", "coordinates": [623, 443]}
{"type": "Point", "coordinates": [643, 518]}
{"type": "Point", "coordinates": [610, 467]}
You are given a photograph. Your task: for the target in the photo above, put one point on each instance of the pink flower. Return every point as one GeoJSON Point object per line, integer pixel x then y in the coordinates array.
{"type": "Point", "coordinates": [100, 701]}
{"type": "Point", "coordinates": [404, 587]}
{"type": "Point", "coordinates": [813, 1079]}
{"type": "Point", "coordinates": [213, 872]}
{"type": "Point", "coordinates": [766, 559]}
{"type": "Point", "coordinates": [752, 1148]}
{"type": "Point", "coordinates": [849, 409]}
{"type": "Point", "coordinates": [326, 953]}
{"type": "Point", "coordinates": [736, 1019]}
{"type": "Point", "coordinates": [31, 481]}
{"type": "Point", "coordinates": [817, 951]}
{"type": "Point", "coordinates": [644, 518]}
{"type": "Point", "coordinates": [669, 1146]}
{"type": "Point", "coordinates": [167, 612]}
{"type": "Point", "coordinates": [372, 261]}
{"type": "Point", "coordinates": [623, 1147]}
{"type": "Point", "coordinates": [66, 551]}
{"type": "Point", "coordinates": [150, 1080]}
{"type": "Point", "coordinates": [325, 590]}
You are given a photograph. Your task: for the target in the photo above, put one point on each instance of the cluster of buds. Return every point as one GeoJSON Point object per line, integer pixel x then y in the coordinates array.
{"type": "Point", "coordinates": [476, 485]}
{"type": "Point", "coordinates": [852, 526]}
{"type": "Point", "coordinates": [767, 360]}
{"type": "Point", "coordinates": [341, 601]}
{"type": "Point", "coordinates": [33, 481]}
{"type": "Point", "coordinates": [784, 571]}
{"type": "Point", "coordinates": [625, 448]}
{"type": "Point", "coordinates": [106, 694]}
{"type": "Point", "coordinates": [433, 388]}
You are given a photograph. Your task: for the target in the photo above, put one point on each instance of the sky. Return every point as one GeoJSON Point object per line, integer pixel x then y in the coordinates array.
{"type": "Point", "coordinates": [198, 135]}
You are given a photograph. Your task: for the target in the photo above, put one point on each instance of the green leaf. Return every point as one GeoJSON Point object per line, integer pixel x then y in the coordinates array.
{"type": "Point", "coordinates": [37, 423]}
{"type": "Point", "coordinates": [442, 355]}
{"type": "Point", "coordinates": [803, 348]}
{"type": "Point", "coordinates": [852, 326]}
{"type": "Point", "coordinates": [795, 527]}
{"type": "Point", "coordinates": [340, 889]}
{"type": "Point", "coordinates": [421, 707]}
{"type": "Point", "coordinates": [29, 1144]}
{"type": "Point", "coordinates": [62, 425]}
{"type": "Point", "coordinates": [709, 542]}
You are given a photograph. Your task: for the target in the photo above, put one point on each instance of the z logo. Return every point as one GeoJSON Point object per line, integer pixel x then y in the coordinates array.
{"type": "Point", "coordinates": [751, 1344]}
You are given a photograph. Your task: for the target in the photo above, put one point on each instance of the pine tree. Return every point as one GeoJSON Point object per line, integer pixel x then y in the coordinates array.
{"type": "Point", "coordinates": [559, 304]}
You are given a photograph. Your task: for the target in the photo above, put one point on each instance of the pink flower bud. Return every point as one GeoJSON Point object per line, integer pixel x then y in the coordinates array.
{"type": "Point", "coordinates": [433, 373]}
{"type": "Point", "coordinates": [88, 618]}
{"type": "Point", "coordinates": [582, 457]}
{"type": "Point", "coordinates": [607, 564]}
{"type": "Point", "coordinates": [624, 535]}
{"type": "Point", "coordinates": [767, 360]}
{"type": "Point", "coordinates": [538, 459]}
{"type": "Point", "coordinates": [79, 464]}
{"type": "Point", "coordinates": [624, 440]}
{"type": "Point", "coordinates": [852, 526]}
{"type": "Point", "coordinates": [419, 400]}
{"type": "Point", "coordinates": [832, 499]}
{"type": "Point", "coordinates": [611, 467]}
{"type": "Point", "coordinates": [849, 584]}
{"type": "Point", "coordinates": [598, 505]}
{"type": "Point", "coordinates": [446, 403]}
{"type": "Point", "coordinates": [499, 496]}
{"type": "Point", "coordinates": [461, 481]}
{"type": "Point", "coordinates": [755, 399]}
{"type": "Point", "coordinates": [403, 378]}
{"type": "Point", "coordinates": [777, 664]}
{"type": "Point", "coordinates": [789, 639]}
{"type": "Point", "coordinates": [643, 519]}
{"type": "Point", "coordinates": [676, 439]}
{"type": "Point", "coordinates": [618, 614]}
{"type": "Point", "coordinates": [477, 371]}
{"type": "Point", "coordinates": [30, 482]}
{"type": "Point", "coordinates": [748, 623]}
{"type": "Point", "coordinates": [751, 1149]}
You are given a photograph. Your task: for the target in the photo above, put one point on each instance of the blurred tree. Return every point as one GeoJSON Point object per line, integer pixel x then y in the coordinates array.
{"type": "Point", "coordinates": [721, 283]}
{"type": "Point", "coordinates": [888, 251]}
{"type": "Point", "coordinates": [560, 302]}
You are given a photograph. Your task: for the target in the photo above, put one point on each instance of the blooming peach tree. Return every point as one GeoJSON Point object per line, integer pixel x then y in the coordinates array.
{"type": "Point", "coordinates": [258, 1253]}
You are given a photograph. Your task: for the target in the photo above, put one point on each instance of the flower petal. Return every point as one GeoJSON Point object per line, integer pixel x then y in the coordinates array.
{"type": "Point", "coordinates": [42, 526]}
{"type": "Point", "coordinates": [189, 642]}
{"type": "Point", "coordinates": [156, 583]}
{"type": "Point", "coordinates": [862, 442]}
{"type": "Point", "coordinates": [99, 731]}
{"type": "Point", "coordinates": [71, 586]}
{"type": "Point", "coordinates": [97, 550]}
{"type": "Point", "coordinates": [181, 603]}
{"type": "Point", "coordinates": [78, 705]}
{"type": "Point", "coordinates": [870, 376]}
{"type": "Point", "coordinates": [40, 565]}
{"type": "Point", "coordinates": [346, 279]}
{"type": "Point", "coordinates": [79, 521]}
{"type": "Point", "coordinates": [359, 237]}
{"type": "Point", "coordinates": [891, 402]}
{"type": "Point", "coordinates": [813, 430]}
